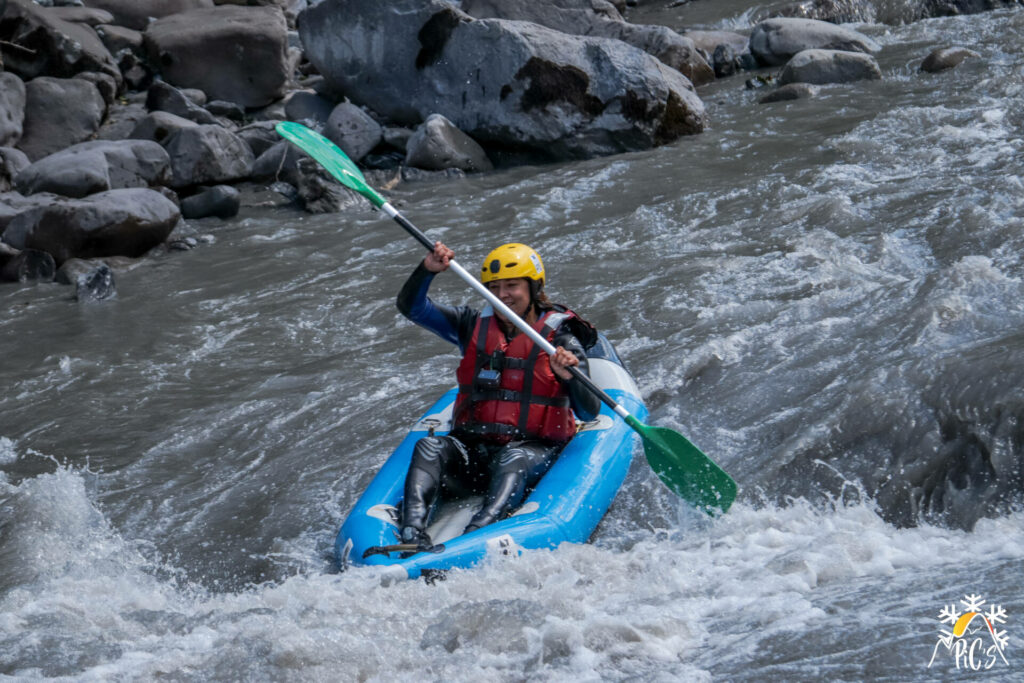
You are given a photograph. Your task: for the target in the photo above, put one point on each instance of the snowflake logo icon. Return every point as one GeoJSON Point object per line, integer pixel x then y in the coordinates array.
{"type": "Point", "coordinates": [973, 636]}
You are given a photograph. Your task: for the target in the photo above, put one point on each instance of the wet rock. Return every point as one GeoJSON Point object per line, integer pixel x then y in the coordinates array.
{"type": "Point", "coordinates": [412, 175]}
{"type": "Point", "coordinates": [775, 41]}
{"type": "Point", "coordinates": [207, 154]}
{"type": "Point", "coordinates": [36, 42]}
{"type": "Point", "coordinates": [93, 280]}
{"type": "Point", "coordinates": [137, 13]}
{"type": "Point", "coordinates": [600, 19]}
{"type": "Point", "coordinates": [12, 162]}
{"type": "Point", "coordinates": [59, 112]}
{"type": "Point", "coordinates": [437, 145]}
{"type": "Point", "coordinates": [309, 108]}
{"type": "Point", "coordinates": [248, 45]}
{"type": "Point", "coordinates": [222, 201]}
{"type": "Point", "coordinates": [27, 265]}
{"type": "Point", "coordinates": [12, 109]}
{"type": "Point", "coordinates": [353, 130]}
{"type": "Point", "coordinates": [118, 38]}
{"type": "Point", "coordinates": [165, 97]}
{"type": "Point", "coordinates": [829, 66]}
{"type": "Point", "coordinates": [946, 58]}
{"type": "Point", "coordinates": [260, 136]}
{"type": "Point", "coordinates": [725, 51]}
{"type": "Point", "coordinates": [532, 89]}
{"type": "Point", "coordinates": [791, 91]}
{"type": "Point", "coordinates": [97, 166]}
{"type": "Point", "coordinates": [318, 192]}
{"type": "Point", "coordinates": [126, 222]}
{"type": "Point", "coordinates": [137, 74]}
{"type": "Point", "coordinates": [158, 126]}
{"type": "Point", "coordinates": [832, 11]}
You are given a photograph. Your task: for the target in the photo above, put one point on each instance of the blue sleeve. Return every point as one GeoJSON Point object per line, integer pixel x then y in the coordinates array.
{"type": "Point", "coordinates": [453, 324]}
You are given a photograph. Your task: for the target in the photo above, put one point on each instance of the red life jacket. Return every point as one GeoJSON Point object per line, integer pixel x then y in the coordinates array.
{"type": "Point", "coordinates": [528, 402]}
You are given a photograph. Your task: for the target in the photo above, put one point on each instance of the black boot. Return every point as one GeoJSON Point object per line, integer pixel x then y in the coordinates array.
{"type": "Point", "coordinates": [419, 537]}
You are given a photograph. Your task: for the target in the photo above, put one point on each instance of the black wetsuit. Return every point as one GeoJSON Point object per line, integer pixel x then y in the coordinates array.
{"type": "Point", "coordinates": [461, 464]}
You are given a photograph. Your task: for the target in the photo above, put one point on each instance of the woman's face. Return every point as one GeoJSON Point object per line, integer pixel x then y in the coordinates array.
{"type": "Point", "coordinates": [514, 293]}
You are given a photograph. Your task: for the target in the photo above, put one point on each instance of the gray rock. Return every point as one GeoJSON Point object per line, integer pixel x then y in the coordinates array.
{"type": "Point", "coordinates": [438, 145]}
{"type": "Point", "coordinates": [28, 265]}
{"type": "Point", "coordinates": [260, 136]}
{"type": "Point", "coordinates": [59, 112]}
{"type": "Point", "coordinates": [118, 38]}
{"type": "Point", "coordinates": [707, 41]}
{"type": "Point", "coordinates": [533, 89]}
{"type": "Point", "coordinates": [12, 162]}
{"type": "Point", "coordinates": [946, 58]}
{"type": "Point", "coordinates": [158, 126]}
{"type": "Point", "coordinates": [38, 43]}
{"type": "Point", "coordinates": [791, 91]}
{"type": "Point", "coordinates": [105, 83]}
{"type": "Point", "coordinates": [222, 201]}
{"type": "Point", "coordinates": [83, 15]}
{"type": "Point", "coordinates": [775, 41]}
{"type": "Point", "coordinates": [248, 45]}
{"type": "Point", "coordinates": [308, 107]}
{"type": "Point", "coordinates": [353, 130]}
{"type": "Point", "coordinates": [126, 222]}
{"type": "Point", "coordinates": [829, 66]}
{"type": "Point", "coordinates": [136, 14]}
{"type": "Point", "coordinates": [397, 137]}
{"type": "Point", "coordinates": [12, 109]}
{"type": "Point", "coordinates": [599, 19]}
{"type": "Point", "coordinates": [97, 166]}
{"type": "Point", "coordinates": [93, 280]}
{"type": "Point", "coordinates": [207, 155]}
{"type": "Point", "coordinates": [165, 97]}
{"type": "Point", "coordinates": [13, 203]}
{"type": "Point", "coordinates": [226, 110]}
{"type": "Point", "coordinates": [121, 120]}
{"type": "Point", "coordinates": [280, 162]}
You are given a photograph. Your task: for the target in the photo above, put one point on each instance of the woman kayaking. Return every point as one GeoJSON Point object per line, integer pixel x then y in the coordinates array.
{"type": "Point", "coordinates": [517, 405]}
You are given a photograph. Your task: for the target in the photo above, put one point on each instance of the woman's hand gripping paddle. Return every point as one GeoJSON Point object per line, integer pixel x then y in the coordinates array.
{"type": "Point", "coordinates": [678, 463]}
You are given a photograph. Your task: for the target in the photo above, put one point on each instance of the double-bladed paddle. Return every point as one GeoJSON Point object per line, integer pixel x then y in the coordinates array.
{"type": "Point", "coordinates": [678, 463]}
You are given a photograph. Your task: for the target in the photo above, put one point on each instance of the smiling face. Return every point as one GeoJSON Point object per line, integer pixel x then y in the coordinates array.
{"type": "Point", "coordinates": [514, 293]}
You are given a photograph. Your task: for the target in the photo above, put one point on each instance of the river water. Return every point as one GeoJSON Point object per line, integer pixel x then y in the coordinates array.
{"type": "Point", "coordinates": [825, 295]}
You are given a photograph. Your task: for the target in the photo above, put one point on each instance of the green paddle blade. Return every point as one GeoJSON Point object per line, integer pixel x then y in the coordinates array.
{"type": "Point", "coordinates": [328, 155]}
{"type": "Point", "coordinates": [683, 468]}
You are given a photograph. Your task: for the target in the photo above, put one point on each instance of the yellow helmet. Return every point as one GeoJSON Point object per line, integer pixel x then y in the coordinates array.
{"type": "Point", "coordinates": [511, 261]}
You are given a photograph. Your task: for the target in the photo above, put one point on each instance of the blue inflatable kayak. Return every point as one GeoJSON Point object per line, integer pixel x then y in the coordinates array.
{"type": "Point", "coordinates": [565, 506]}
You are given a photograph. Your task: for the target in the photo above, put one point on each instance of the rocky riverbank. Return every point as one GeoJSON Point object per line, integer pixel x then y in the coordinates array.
{"type": "Point", "coordinates": [124, 122]}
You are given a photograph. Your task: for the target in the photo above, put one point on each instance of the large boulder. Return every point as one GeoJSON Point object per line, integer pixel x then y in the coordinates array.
{"type": "Point", "coordinates": [126, 222]}
{"type": "Point", "coordinates": [137, 14]}
{"type": "Point", "coordinates": [590, 18]}
{"type": "Point", "coordinates": [36, 42]}
{"type": "Point", "coordinates": [59, 112]}
{"type": "Point", "coordinates": [829, 66]}
{"type": "Point", "coordinates": [158, 126]}
{"type": "Point", "coordinates": [248, 45]}
{"type": "Point", "coordinates": [438, 145]}
{"type": "Point", "coordinates": [207, 155]}
{"type": "Point", "coordinates": [513, 84]}
{"type": "Point", "coordinates": [12, 109]}
{"type": "Point", "coordinates": [97, 166]}
{"type": "Point", "coordinates": [775, 41]}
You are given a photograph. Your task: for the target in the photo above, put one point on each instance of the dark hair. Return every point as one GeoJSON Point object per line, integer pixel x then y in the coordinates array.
{"type": "Point", "coordinates": [538, 297]}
